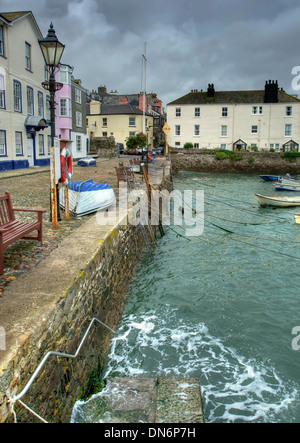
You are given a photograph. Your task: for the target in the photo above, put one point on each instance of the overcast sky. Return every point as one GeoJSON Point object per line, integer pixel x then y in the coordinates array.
{"type": "Point", "coordinates": [235, 44]}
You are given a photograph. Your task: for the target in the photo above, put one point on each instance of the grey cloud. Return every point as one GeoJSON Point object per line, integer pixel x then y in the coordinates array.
{"type": "Point", "coordinates": [235, 44]}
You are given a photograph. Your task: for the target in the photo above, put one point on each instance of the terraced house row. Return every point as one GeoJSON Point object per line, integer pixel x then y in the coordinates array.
{"type": "Point", "coordinates": [24, 103]}
{"type": "Point", "coordinates": [235, 120]}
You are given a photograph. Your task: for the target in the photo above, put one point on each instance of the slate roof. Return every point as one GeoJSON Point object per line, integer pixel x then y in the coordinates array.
{"type": "Point", "coordinates": [10, 17]}
{"type": "Point", "coordinates": [231, 97]}
{"type": "Point", "coordinates": [119, 110]}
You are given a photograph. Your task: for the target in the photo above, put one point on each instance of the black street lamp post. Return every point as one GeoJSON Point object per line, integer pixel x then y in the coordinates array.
{"type": "Point", "coordinates": [52, 51]}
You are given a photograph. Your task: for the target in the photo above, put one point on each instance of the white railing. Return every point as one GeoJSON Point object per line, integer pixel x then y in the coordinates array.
{"type": "Point", "coordinates": [17, 398]}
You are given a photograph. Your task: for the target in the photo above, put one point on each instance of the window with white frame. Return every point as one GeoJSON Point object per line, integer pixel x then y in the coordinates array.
{"type": "Point", "coordinates": [196, 146]}
{"type": "Point", "coordinates": [257, 110]}
{"type": "Point", "coordinates": [275, 146]}
{"type": "Point", "coordinates": [65, 75]}
{"type": "Point", "coordinates": [2, 143]}
{"type": "Point", "coordinates": [223, 131]}
{"type": "Point", "coordinates": [48, 107]}
{"type": "Point", "coordinates": [196, 130]}
{"type": "Point", "coordinates": [289, 111]}
{"type": "Point", "coordinates": [40, 104]}
{"type": "Point", "coordinates": [2, 92]}
{"type": "Point", "coordinates": [30, 101]}
{"type": "Point", "coordinates": [197, 112]}
{"type": "Point", "coordinates": [65, 107]}
{"type": "Point", "coordinates": [223, 146]}
{"type": "Point", "coordinates": [178, 112]}
{"type": "Point", "coordinates": [131, 121]}
{"type": "Point", "coordinates": [18, 143]}
{"type": "Point", "coordinates": [17, 96]}
{"type": "Point", "coordinates": [177, 130]}
{"type": "Point", "coordinates": [41, 144]}
{"type": "Point", "coordinates": [1, 40]}
{"type": "Point", "coordinates": [224, 112]}
{"type": "Point", "coordinates": [49, 143]}
{"type": "Point", "coordinates": [254, 129]}
{"type": "Point", "coordinates": [27, 56]}
{"type": "Point", "coordinates": [78, 95]}
{"type": "Point", "coordinates": [78, 142]}
{"type": "Point", "coordinates": [131, 134]}
{"type": "Point", "coordinates": [78, 119]}
{"type": "Point", "coordinates": [288, 131]}
{"type": "Point", "coordinates": [104, 122]}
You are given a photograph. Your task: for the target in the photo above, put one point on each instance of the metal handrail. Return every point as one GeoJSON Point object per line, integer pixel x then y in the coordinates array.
{"type": "Point", "coordinates": [58, 354]}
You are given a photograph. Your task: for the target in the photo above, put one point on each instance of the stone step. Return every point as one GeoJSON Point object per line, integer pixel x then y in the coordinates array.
{"type": "Point", "coordinates": [144, 400]}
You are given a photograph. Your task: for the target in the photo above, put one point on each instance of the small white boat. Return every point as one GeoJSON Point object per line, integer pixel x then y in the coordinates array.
{"type": "Point", "coordinates": [87, 197]}
{"type": "Point", "coordinates": [281, 202]}
{"type": "Point", "coordinates": [287, 184]}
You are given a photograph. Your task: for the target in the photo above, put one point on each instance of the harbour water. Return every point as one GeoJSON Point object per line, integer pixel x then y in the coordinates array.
{"type": "Point", "coordinates": [220, 307]}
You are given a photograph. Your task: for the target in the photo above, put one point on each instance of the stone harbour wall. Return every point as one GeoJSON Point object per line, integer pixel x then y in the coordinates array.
{"type": "Point", "coordinates": [51, 308]}
{"type": "Point", "coordinates": [104, 147]}
{"type": "Point", "coordinates": [264, 163]}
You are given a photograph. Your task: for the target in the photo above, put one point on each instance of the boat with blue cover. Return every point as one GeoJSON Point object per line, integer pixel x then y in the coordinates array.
{"type": "Point", "coordinates": [87, 197]}
{"type": "Point", "coordinates": [86, 162]}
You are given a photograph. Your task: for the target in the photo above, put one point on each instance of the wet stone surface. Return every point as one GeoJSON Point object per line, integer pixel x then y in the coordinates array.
{"type": "Point", "coordinates": [31, 189]}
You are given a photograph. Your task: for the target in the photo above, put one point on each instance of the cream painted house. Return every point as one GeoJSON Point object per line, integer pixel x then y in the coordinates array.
{"type": "Point", "coordinates": [234, 120]}
{"type": "Point", "coordinates": [24, 132]}
{"type": "Point", "coordinates": [118, 121]}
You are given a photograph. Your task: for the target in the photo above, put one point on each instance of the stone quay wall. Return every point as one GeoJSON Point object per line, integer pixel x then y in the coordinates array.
{"type": "Point", "coordinates": [264, 163]}
{"type": "Point", "coordinates": [51, 308]}
{"type": "Point", "coordinates": [104, 147]}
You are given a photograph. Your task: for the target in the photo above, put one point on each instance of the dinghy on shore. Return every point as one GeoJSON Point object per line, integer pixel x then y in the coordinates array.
{"type": "Point", "coordinates": [87, 197]}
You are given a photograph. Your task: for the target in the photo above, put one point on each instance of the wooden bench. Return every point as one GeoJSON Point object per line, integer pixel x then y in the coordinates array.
{"type": "Point", "coordinates": [12, 230]}
{"type": "Point", "coordinates": [124, 174]}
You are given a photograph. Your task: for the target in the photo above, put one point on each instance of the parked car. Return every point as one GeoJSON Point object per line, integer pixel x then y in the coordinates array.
{"type": "Point", "coordinates": [160, 150]}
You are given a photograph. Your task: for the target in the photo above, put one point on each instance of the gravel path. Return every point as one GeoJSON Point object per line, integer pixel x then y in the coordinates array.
{"type": "Point", "coordinates": [33, 191]}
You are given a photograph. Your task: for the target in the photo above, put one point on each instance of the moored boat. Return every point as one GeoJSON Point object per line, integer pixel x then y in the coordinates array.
{"type": "Point", "coordinates": [87, 197]}
{"type": "Point", "coordinates": [297, 218]}
{"type": "Point", "coordinates": [272, 178]}
{"type": "Point", "coordinates": [281, 202]}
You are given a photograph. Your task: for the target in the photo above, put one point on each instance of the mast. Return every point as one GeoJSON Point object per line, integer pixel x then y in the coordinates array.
{"type": "Point", "coordinates": [144, 87]}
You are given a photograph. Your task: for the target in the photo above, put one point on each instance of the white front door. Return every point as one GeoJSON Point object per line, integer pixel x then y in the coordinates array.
{"type": "Point", "coordinates": [30, 151]}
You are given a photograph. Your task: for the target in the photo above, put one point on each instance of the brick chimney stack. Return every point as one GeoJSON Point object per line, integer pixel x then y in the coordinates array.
{"type": "Point", "coordinates": [271, 92]}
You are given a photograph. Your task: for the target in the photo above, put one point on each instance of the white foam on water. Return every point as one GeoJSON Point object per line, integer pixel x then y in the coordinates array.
{"type": "Point", "coordinates": [234, 388]}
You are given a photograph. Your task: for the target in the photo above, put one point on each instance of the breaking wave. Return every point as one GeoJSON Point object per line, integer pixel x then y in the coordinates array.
{"type": "Point", "coordinates": [234, 389]}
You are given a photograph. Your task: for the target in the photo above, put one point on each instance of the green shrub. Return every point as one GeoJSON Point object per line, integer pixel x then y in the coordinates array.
{"type": "Point", "coordinates": [251, 160]}
{"type": "Point", "coordinates": [231, 155]}
{"type": "Point", "coordinates": [291, 156]}
{"type": "Point", "coordinates": [188, 145]}
{"type": "Point", "coordinates": [221, 155]}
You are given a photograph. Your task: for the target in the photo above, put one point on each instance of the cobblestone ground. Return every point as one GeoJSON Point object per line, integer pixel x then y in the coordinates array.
{"type": "Point", "coordinates": [33, 191]}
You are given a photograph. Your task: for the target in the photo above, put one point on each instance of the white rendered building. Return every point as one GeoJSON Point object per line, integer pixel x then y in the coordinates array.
{"type": "Point", "coordinates": [24, 132]}
{"type": "Point", "coordinates": [234, 120]}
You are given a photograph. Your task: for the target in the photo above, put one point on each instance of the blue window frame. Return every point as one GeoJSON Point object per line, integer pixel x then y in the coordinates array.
{"type": "Point", "coordinates": [19, 143]}
{"type": "Point", "coordinates": [3, 147]}
{"type": "Point", "coordinates": [30, 101]}
{"type": "Point", "coordinates": [2, 92]}
{"type": "Point", "coordinates": [17, 96]}
{"type": "Point", "coordinates": [41, 144]}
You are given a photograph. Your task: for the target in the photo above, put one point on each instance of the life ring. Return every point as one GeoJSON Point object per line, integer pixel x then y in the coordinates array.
{"type": "Point", "coordinates": [66, 166]}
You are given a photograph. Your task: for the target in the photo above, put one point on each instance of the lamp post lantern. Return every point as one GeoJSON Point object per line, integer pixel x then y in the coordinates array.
{"type": "Point", "coordinates": [52, 51]}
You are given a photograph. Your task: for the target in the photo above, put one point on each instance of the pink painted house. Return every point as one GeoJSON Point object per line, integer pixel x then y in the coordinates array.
{"type": "Point", "coordinates": [63, 111]}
